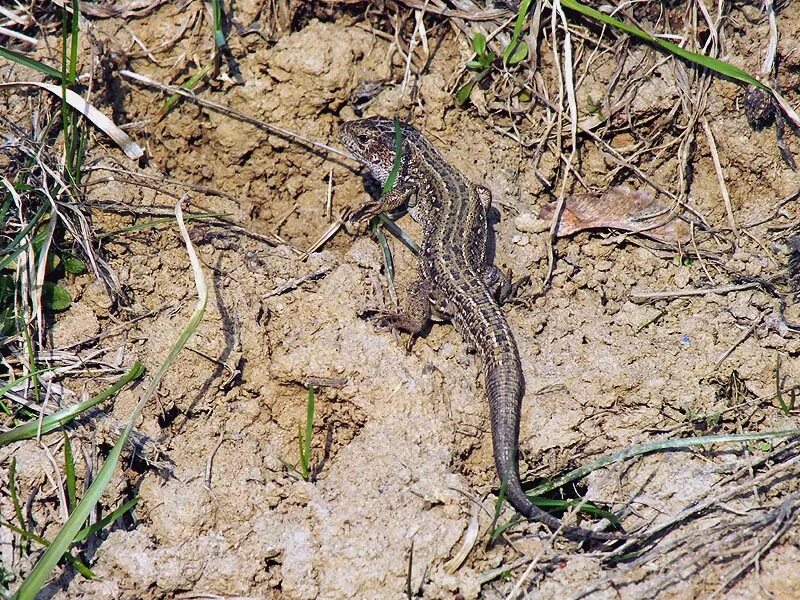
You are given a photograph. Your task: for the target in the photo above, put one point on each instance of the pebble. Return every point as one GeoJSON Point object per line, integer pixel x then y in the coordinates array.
{"type": "Point", "coordinates": [528, 223]}
{"type": "Point", "coordinates": [682, 278]}
{"type": "Point", "coordinates": [521, 240]}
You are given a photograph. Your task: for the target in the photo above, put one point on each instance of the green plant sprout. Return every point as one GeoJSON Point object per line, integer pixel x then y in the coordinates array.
{"type": "Point", "coordinates": [303, 468]}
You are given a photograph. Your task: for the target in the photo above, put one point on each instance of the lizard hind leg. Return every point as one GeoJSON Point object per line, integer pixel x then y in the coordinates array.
{"type": "Point", "coordinates": [441, 307]}
{"type": "Point", "coordinates": [498, 282]}
{"type": "Point", "coordinates": [416, 313]}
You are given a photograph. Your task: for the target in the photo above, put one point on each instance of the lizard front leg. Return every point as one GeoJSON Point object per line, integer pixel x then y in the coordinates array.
{"type": "Point", "coordinates": [397, 197]}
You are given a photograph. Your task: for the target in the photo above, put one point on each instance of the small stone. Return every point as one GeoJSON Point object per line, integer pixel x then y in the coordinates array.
{"type": "Point", "coordinates": [603, 265]}
{"type": "Point", "coordinates": [528, 223]}
{"type": "Point", "coordinates": [365, 253]}
{"type": "Point", "coordinates": [753, 268]}
{"type": "Point", "coordinates": [636, 316]}
{"type": "Point", "coordinates": [681, 278]}
{"type": "Point", "coordinates": [521, 240]}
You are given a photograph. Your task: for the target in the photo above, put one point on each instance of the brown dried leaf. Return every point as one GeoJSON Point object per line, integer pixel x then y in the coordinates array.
{"type": "Point", "coordinates": [132, 8]}
{"type": "Point", "coordinates": [619, 208]}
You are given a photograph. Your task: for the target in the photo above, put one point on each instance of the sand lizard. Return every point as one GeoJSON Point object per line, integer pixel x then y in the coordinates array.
{"type": "Point", "coordinates": [456, 280]}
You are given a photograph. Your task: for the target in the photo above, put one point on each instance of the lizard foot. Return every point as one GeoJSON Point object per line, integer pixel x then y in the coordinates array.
{"type": "Point", "coordinates": [385, 320]}
{"type": "Point", "coordinates": [365, 212]}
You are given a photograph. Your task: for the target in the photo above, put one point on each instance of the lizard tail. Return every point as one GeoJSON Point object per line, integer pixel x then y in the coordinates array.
{"type": "Point", "coordinates": [503, 384]}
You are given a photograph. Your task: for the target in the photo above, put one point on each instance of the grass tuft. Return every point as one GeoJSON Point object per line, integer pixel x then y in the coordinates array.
{"type": "Point", "coordinates": [73, 527]}
{"type": "Point", "coordinates": [36, 427]}
{"type": "Point", "coordinates": [656, 446]}
{"type": "Point", "coordinates": [304, 438]}
{"type": "Point", "coordinates": [786, 407]}
{"type": "Point", "coordinates": [73, 128]}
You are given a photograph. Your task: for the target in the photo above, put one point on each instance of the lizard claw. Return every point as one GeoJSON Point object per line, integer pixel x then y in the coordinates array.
{"type": "Point", "coordinates": [385, 320]}
{"type": "Point", "coordinates": [382, 319]}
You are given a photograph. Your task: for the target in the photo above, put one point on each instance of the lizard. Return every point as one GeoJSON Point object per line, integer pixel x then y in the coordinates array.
{"type": "Point", "coordinates": [457, 280]}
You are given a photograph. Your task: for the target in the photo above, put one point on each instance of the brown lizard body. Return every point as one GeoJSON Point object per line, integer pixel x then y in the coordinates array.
{"type": "Point", "coordinates": [456, 279]}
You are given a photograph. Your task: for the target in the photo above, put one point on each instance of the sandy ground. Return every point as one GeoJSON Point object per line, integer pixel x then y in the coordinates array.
{"type": "Point", "coordinates": [401, 437]}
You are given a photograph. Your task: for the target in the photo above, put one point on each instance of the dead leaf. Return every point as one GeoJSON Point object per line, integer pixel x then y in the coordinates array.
{"type": "Point", "coordinates": [137, 8]}
{"type": "Point", "coordinates": [619, 208]}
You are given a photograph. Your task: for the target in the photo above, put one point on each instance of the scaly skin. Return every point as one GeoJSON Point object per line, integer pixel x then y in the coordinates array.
{"type": "Point", "coordinates": [456, 279]}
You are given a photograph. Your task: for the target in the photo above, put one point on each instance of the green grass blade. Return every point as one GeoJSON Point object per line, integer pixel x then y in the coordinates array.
{"type": "Point", "coordinates": [73, 54]}
{"type": "Point", "coordinates": [12, 488]}
{"type": "Point", "coordinates": [12, 384]}
{"type": "Point", "coordinates": [65, 415]}
{"type": "Point", "coordinates": [559, 505]}
{"type": "Point", "coordinates": [41, 571]}
{"type": "Point", "coordinates": [25, 61]}
{"type": "Point", "coordinates": [390, 225]}
{"type": "Point", "coordinates": [301, 449]}
{"type": "Point", "coordinates": [65, 81]}
{"type": "Point", "coordinates": [499, 530]}
{"type": "Point", "coordinates": [398, 158]}
{"type": "Point", "coordinates": [387, 187]}
{"type": "Point", "coordinates": [29, 536]}
{"type": "Point", "coordinates": [289, 466]}
{"type": "Point", "coordinates": [786, 407]}
{"type": "Point", "coordinates": [74, 133]}
{"type": "Point", "coordinates": [64, 66]}
{"type": "Point", "coordinates": [31, 351]}
{"type": "Point", "coordinates": [498, 509]}
{"type": "Point", "coordinates": [14, 247]}
{"type": "Point", "coordinates": [42, 251]}
{"type": "Point", "coordinates": [69, 473]}
{"type": "Point", "coordinates": [310, 409]}
{"type": "Point", "coordinates": [719, 66]}
{"type": "Point", "coordinates": [513, 47]}
{"type": "Point", "coordinates": [388, 259]}
{"type": "Point", "coordinates": [401, 235]}
{"type": "Point", "coordinates": [194, 320]}
{"type": "Point", "coordinates": [105, 521]}
{"type": "Point", "coordinates": [216, 11]}
{"type": "Point", "coordinates": [582, 506]}
{"type": "Point", "coordinates": [188, 86]}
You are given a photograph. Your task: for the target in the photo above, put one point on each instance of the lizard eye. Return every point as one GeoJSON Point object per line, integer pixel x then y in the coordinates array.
{"type": "Point", "coordinates": [362, 138]}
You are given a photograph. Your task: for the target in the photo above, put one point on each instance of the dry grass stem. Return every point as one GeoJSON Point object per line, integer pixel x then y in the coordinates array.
{"type": "Point", "coordinates": [281, 131]}
{"type": "Point", "coordinates": [726, 197]}
{"type": "Point", "coordinates": [295, 283]}
{"type": "Point", "coordinates": [746, 334]}
{"type": "Point", "coordinates": [722, 289]}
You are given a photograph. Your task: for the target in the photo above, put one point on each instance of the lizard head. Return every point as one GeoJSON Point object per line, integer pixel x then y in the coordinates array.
{"type": "Point", "coordinates": [372, 141]}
